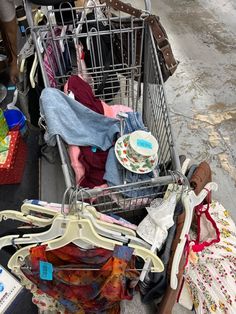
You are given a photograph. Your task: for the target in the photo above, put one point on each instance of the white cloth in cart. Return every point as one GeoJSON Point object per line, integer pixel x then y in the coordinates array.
{"type": "Point", "coordinates": [159, 219]}
{"type": "Point", "coordinates": [75, 123]}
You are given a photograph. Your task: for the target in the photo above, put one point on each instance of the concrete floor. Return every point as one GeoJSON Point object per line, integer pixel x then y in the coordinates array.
{"type": "Point", "coordinates": [201, 94]}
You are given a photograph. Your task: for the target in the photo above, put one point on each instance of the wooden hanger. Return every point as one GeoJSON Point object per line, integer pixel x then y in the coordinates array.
{"type": "Point", "coordinates": [190, 200]}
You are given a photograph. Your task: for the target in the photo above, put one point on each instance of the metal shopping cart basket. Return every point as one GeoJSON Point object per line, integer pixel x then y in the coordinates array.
{"type": "Point", "coordinates": [125, 83]}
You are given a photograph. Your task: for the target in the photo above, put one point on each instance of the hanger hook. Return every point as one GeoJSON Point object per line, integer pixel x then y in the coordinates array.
{"type": "Point", "coordinates": [63, 201]}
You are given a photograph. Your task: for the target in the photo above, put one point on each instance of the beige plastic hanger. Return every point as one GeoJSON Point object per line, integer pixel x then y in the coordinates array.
{"type": "Point", "coordinates": [190, 200]}
{"type": "Point", "coordinates": [59, 226]}
{"type": "Point", "coordinates": [82, 229]}
{"type": "Point", "coordinates": [25, 215]}
{"type": "Point", "coordinates": [86, 231]}
{"type": "Point", "coordinates": [57, 229]}
{"type": "Point", "coordinates": [92, 210]}
{"type": "Point", "coordinates": [15, 215]}
{"type": "Point", "coordinates": [33, 70]}
{"type": "Point", "coordinates": [28, 208]}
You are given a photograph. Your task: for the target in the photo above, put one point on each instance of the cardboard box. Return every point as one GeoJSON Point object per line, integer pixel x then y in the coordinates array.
{"type": "Point", "coordinates": [13, 160]}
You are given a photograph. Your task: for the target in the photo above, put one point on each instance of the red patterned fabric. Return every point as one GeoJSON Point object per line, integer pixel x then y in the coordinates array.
{"type": "Point", "coordinates": [12, 169]}
{"type": "Point", "coordinates": [86, 281]}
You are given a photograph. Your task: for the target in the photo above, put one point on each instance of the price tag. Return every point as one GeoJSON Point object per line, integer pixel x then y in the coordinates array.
{"type": "Point", "coordinates": [45, 270]}
{"type": "Point", "coordinates": [144, 144]}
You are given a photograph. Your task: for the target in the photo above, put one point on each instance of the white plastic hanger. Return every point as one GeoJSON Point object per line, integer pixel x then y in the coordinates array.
{"type": "Point", "coordinates": [15, 215]}
{"type": "Point", "coordinates": [89, 234]}
{"type": "Point", "coordinates": [58, 224]}
{"type": "Point", "coordinates": [173, 186]}
{"type": "Point", "coordinates": [190, 200]}
{"type": "Point", "coordinates": [38, 17]}
{"type": "Point", "coordinates": [112, 226]}
{"type": "Point", "coordinates": [104, 231]}
{"type": "Point", "coordinates": [57, 229]}
{"type": "Point", "coordinates": [82, 229]}
{"type": "Point", "coordinates": [61, 41]}
{"type": "Point", "coordinates": [33, 70]}
{"type": "Point", "coordinates": [28, 208]}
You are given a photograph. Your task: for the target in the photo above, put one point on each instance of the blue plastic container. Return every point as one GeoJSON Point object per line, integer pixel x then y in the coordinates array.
{"type": "Point", "coordinates": [16, 120]}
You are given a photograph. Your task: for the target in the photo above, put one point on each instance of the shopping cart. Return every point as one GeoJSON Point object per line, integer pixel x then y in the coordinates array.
{"type": "Point", "coordinates": [142, 91]}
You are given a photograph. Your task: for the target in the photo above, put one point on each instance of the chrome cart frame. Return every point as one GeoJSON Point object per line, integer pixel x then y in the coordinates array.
{"type": "Point", "coordinates": [143, 92]}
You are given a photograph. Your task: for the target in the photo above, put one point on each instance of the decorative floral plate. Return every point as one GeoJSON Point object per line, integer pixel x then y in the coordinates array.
{"type": "Point", "coordinates": [133, 164]}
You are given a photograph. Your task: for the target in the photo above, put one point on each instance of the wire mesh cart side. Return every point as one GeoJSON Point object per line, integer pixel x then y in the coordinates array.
{"type": "Point", "coordinates": [134, 80]}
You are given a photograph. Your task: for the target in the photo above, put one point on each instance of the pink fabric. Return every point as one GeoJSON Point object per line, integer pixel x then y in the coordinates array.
{"type": "Point", "coordinates": [82, 69]}
{"type": "Point", "coordinates": [50, 62]}
{"type": "Point", "coordinates": [79, 169]}
{"type": "Point", "coordinates": [50, 66]}
{"type": "Point", "coordinates": [112, 111]}
{"type": "Point", "coordinates": [112, 220]}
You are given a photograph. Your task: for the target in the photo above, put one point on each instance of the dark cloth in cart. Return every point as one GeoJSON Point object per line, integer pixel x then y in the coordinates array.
{"type": "Point", "coordinates": [75, 123]}
{"type": "Point", "coordinates": [94, 163]}
{"type": "Point", "coordinates": [83, 93]}
{"type": "Point", "coordinates": [91, 291]}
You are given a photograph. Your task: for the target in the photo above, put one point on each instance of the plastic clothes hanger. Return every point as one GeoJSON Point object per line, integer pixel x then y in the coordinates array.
{"type": "Point", "coordinates": [85, 230]}
{"type": "Point", "coordinates": [102, 230]}
{"type": "Point", "coordinates": [28, 208]}
{"type": "Point", "coordinates": [172, 188]}
{"type": "Point", "coordinates": [38, 17]}
{"type": "Point", "coordinates": [59, 224]}
{"type": "Point", "coordinates": [36, 238]}
{"type": "Point", "coordinates": [29, 219]}
{"type": "Point", "coordinates": [33, 70]}
{"type": "Point", "coordinates": [190, 200]}
{"type": "Point", "coordinates": [112, 226]}
{"type": "Point", "coordinates": [82, 229]}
